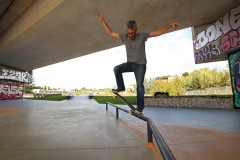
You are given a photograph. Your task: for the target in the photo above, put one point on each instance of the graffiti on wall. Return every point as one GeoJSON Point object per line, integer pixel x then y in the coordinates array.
{"type": "Point", "coordinates": [219, 38]}
{"type": "Point", "coordinates": [14, 75]}
{"type": "Point", "coordinates": [11, 90]}
{"type": "Point", "coordinates": [234, 62]}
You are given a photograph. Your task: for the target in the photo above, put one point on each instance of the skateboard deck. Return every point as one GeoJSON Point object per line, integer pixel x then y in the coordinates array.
{"type": "Point", "coordinates": [125, 101]}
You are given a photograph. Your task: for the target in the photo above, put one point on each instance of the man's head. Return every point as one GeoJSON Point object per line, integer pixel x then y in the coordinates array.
{"type": "Point", "coordinates": [131, 29]}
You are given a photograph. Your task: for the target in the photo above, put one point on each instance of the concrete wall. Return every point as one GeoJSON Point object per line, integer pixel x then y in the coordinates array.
{"type": "Point", "coordinates": [224, 102]}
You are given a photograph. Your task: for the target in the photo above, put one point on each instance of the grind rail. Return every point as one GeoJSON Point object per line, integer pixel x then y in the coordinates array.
{"type": "Point", "coordinates": [152, 131]}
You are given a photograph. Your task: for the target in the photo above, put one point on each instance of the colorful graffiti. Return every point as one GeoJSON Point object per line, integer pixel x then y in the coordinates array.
{"type": "Point", "coordinates": [234, 61]}
{"type": "Point", "coordinates": [219, 38]}
{"type": "Point", "coordinates": [230, 40]}
{"type": "Point", "coordinates": [206, 53]}
{"type": "Point", "coordinates": [11, 90]}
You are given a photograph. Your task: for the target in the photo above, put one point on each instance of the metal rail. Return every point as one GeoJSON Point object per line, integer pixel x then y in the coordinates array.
{"type": "Point", "coordinates": [152, 131]}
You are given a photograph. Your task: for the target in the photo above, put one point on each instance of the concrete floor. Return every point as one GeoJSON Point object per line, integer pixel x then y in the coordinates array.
{"type": "Point", "coordinates": [76, 129]}
{"type": "Point", "coordinates": [82, 129]}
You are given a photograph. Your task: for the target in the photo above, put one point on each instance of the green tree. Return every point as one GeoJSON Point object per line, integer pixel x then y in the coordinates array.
{"type": "Point", "coordinates": [45, 88]}
{"type": "Point", "coordinates": [225, 78]}
{"type": "Point", "coordinates": [196, 80]}
{"type": "Point", "coordinates": [174, 87]}
{"type": "Point", "coordinates": [147, 85]}
{"type": "Point", "coordinates": [185, 74]}
{"type": "Point", "coordinates": [162, 78]}
{"type": "Point", "coordinates": [206, 78]}
{"type": "Point", "coordinates": [28, 88]}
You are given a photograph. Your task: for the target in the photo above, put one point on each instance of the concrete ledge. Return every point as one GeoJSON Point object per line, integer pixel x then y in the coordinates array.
{"type": "Point", "coordinates": [216, 102]}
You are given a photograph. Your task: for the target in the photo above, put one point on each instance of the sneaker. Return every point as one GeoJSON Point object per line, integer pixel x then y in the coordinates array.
{"type": "Point", "coordinates": [139, 109]}
{"type": "Point", "coordinates": [137, 112]}
{"type": "Point", "coordinates": [117, 90]}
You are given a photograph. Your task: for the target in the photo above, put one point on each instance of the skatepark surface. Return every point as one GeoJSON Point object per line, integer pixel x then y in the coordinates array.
{"type": "Point", "coordinates": [82, 129]}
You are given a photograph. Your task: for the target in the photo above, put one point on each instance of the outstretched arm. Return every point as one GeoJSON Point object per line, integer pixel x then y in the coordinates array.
{"type": "Point", "coordinates": [164, 29]}
{"type": "Point", "coordinates": [106, 27]}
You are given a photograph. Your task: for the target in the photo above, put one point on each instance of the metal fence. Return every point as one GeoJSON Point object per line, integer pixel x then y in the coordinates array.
{"type": "Point", "coordinates": [152, 131]}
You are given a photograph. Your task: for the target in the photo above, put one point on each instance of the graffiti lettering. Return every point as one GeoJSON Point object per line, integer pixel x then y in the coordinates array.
{"type": "Point", "coordinates": [230, 40]}
{"type": "Point", "coordinates": [230, 21]}
{"type": "Point", "coordinates": [10, 90]}
{"type": "Point", "coordinates": [8, 74]}
{"type": "Point", "coordinates": [206, 52]}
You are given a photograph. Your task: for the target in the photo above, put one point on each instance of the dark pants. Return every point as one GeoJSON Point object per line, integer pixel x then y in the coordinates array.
{"type": "Point", "coordinates": [139, 72]}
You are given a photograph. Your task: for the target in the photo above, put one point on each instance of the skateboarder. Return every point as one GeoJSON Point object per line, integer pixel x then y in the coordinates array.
{"type": "Point", "coordinates": [136, 56]}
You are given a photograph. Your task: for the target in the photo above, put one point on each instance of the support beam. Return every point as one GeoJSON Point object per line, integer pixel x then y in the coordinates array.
{"type": "Point", "coordinates": [38, 10]}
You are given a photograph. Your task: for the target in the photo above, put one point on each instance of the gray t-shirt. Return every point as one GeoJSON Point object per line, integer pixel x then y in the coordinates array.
{"type": "Point", "coordinates": [135, 48]}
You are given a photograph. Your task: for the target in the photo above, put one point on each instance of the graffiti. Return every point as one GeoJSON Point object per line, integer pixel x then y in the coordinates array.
{"type": "Point", "coordinates": [234, 63]}
{"type": "Point", "coordinates": [9, 74]}
{"type": "Point", "coordinates": [206, 53]}
{"type": "Point", "coordinates": [236, 73]}
{"type": "Point", "coordinates": [230, 40]}
{"type": "Point", "coordinates": [231, 21]}
{"type": "Point", "coordinates": [11, 90]}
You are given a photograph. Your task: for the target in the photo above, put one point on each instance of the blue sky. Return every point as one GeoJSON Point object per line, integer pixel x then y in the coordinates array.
{"type": "Point", "coordinates": [168, 54]}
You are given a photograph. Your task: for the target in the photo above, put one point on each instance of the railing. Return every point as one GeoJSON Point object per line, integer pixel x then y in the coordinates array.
{"type": "Point", "coordinates": [152, 131]}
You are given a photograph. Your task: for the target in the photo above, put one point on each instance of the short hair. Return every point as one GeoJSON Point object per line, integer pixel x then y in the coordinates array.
{"type": "Point", "coordinates": [132, 24]}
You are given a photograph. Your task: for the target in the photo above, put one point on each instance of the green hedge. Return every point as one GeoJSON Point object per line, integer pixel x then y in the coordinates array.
{"type": "Point", "coordinates": [50, 98]}
{"type": "Point", "coordinates": [115, 100]}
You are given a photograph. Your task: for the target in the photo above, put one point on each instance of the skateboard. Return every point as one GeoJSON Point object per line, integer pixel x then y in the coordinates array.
{"type": "Point", "coordinates": [126, 102]}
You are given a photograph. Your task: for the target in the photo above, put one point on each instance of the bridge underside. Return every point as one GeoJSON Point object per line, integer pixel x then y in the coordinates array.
{"type": "Point", "coordinates": [37, 33]}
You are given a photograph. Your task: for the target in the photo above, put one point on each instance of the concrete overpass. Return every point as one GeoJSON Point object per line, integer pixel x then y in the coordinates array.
{"type": "Point", "coordinates": [37, 33]}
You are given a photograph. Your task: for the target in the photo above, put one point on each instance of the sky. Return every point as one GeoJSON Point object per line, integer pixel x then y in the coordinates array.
{"type": "Point", "coordinates": [168, 54]}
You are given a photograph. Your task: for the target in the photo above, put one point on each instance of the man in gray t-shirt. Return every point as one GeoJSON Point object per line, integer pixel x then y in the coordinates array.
{"type": "Point", "coordinates": [135, 48]}
{"type": "Point", "coordinates": [136, 56]}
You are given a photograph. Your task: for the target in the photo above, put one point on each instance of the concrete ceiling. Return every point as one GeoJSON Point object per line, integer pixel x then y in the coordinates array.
{"type": "Point", "coordinates": [37, 33]}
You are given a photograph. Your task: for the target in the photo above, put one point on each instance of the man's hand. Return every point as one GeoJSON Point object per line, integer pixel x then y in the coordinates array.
{"type": "Point", "coordinates": [106, 27]}
{"type": "Point", "coordinates": [174, 25]}
{"type": "Point", "coordinates": [164, 29]}
{"type": "Point", "coordinates": [100, 16]}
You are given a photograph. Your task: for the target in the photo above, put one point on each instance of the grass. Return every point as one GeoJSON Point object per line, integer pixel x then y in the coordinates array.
{"type": "Point", "coordinates": [50, 98]}
{"type": "Point", "coordinates": [113, 99]}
